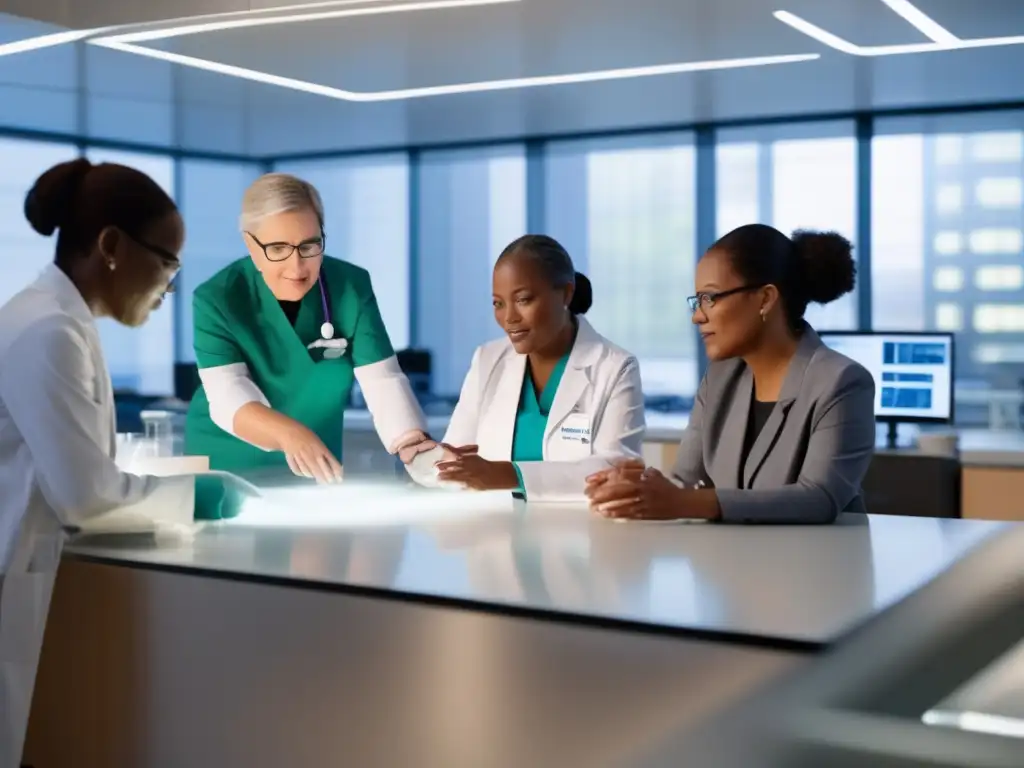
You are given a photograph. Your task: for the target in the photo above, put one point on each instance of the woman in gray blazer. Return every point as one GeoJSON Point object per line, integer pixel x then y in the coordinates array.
{"type": "Point", "coordinates": [782, 428]}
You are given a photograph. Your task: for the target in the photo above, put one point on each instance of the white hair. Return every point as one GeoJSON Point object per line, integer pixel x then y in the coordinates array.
{"type": "Point", "coordinates": [274, 193]}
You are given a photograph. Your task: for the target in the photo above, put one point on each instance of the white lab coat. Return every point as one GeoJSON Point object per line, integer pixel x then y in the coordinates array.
{"type": "Point", "coordinates": [57, 472]}
{"type": "Point", "coordinates": [597, 414]}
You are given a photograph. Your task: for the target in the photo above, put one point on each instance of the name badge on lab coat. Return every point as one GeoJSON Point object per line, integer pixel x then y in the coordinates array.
{"type": "Point", "coordinates": [575, 428]}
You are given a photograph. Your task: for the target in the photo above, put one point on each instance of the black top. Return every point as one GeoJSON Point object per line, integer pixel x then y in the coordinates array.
{"type": "Point", "coordinates": [291, 310]}
{"type": "Point", "coordinates": [759, 413]}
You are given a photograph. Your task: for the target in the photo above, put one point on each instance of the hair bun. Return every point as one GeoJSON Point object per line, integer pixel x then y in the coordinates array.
{"type": "Point", "coordinates": [827, 265]}
{"type": "Point", "coordinates": [582, 296]}
{"type": "Point", "coordinates": [49, 203]}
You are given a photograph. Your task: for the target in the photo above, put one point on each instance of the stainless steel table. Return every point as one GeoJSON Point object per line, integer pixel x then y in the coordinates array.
{"type": "Point", "coordinates": [381, 625]}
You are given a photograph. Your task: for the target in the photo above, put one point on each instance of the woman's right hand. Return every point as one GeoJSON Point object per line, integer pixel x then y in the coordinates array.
{"type": "Point", "coordinates": [618, 469]}
{"type": "Point", "coordinates": [453, 452]}
{"type": "Point", "coordinates": [308, 456]}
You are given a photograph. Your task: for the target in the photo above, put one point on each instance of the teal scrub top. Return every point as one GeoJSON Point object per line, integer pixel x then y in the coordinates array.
{"type": "Point", "coordinates": [532, 418]}
{"type": "Point", "coordinates": [236, 319]}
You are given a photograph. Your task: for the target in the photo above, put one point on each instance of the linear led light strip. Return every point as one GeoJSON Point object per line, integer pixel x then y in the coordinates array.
{"type": "Point", "coordinates": [291, 18]}
{"type": "Point", "coordinates": [445, 90]}
{"type": "Point", "coordinates": [978, 722]}
{"type": "Point", "coordinates": [128, 43]}
{"type": "Point", "coordinates": [941, 38]}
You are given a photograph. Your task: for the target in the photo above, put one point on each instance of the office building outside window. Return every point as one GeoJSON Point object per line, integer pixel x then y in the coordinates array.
{"type": "Point", "coordinates": [792, 177]}
{"type": "Point", "coordinates": [471, 204]}
{"type": "Point", "coordinates": [929, 256]}
{"type": "Point", "coordinates": [625, 210]}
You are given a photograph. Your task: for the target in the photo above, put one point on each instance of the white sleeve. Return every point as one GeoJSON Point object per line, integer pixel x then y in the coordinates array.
{"type": "Point", "coordinates": [391, 402]}
{"type": "Point", "coordinates": [49, 396]}
{"type": "Point", "coordinates": [618, 435]}
{"type": "Point", "coordinates": [462, 427]}
{"type": "Point", "coordinates": [228, 388]}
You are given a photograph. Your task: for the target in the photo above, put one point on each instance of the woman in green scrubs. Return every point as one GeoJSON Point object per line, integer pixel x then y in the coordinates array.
{"type": "Point", "coordinates": [280, 337]}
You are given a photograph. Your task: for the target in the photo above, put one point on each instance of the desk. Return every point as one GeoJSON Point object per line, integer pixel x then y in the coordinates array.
{"type": "Point", "coordinates": [993, 461]}
{"type": "Point", "coordinates": [446, 629]}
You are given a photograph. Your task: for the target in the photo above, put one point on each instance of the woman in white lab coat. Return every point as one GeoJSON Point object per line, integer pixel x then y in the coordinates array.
{"type": "Point", "coordinates": [554, 400]}
{"type": "Point", "coordinates": [116, 254]}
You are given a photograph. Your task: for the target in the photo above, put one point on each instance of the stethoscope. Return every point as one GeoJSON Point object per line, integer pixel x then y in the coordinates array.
{"type": "Point", "coordinates": [333, 348]}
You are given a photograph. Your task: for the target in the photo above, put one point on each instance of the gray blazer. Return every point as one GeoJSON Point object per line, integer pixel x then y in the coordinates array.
{"type": "Point", "coordinates": [807, 464]}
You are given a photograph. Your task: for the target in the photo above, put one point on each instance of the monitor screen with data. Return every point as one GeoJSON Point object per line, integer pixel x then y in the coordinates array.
{"type": "Point", "coordinates": [913, 372]}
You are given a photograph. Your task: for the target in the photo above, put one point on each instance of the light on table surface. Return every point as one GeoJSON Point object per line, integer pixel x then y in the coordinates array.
{"type": "Point", "coordinates": [366, 503]}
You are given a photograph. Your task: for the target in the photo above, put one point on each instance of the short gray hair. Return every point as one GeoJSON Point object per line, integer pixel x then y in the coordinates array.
{"type": "Point", "coordinates": [274, 193]}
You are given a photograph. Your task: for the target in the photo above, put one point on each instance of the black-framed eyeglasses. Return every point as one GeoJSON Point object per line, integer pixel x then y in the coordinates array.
{"type": "Point", "coordinates": [308, 249]}
{"type": "Point", "coordinates": [168, 259]}
{"type": "Point", "coordinates": [707, 300]}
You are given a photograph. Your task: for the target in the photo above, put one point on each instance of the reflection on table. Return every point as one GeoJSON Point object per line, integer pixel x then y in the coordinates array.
{"type": "Point", "coordinates": [799, 583]}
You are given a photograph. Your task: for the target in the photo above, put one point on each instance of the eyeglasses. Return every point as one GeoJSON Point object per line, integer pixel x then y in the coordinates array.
{"type": "Point", "coordinates": [167, 258]}
{"type": "Point", "coordinates": [308, 249]}
{"type": "Point", "coordinates": [705, 301]}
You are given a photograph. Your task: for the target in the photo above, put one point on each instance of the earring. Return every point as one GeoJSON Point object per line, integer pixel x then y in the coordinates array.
{"type": "Point", "coordinates": [764, 316]}
{"type": "Point", "coordinates": [112, 265]}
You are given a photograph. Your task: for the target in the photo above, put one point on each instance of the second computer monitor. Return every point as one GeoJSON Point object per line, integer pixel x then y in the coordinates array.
{"type": "Point", "coordinates": [913, 372]}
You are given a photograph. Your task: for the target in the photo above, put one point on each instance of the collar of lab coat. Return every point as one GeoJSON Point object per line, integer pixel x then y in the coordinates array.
{"type": "Point", "coordinates": [52, 280]}
{"type": "Point", "coordinates": [586, 351]}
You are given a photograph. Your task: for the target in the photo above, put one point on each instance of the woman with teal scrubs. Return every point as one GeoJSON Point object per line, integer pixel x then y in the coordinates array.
{"type": "Point", "coordinates": [280, 337]}
{"type": "Point", "coordinates": [554, 400]}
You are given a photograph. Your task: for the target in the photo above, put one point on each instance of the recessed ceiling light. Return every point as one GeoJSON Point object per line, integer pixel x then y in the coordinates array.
{"type": "Point", "coordinates": [942, 40]}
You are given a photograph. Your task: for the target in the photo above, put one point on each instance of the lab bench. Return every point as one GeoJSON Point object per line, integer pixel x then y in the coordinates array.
{"type": "Point", "coordinates": [377, 624]}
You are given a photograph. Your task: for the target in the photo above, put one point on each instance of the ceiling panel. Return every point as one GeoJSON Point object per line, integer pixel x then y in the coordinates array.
{"type": "Point", "coordinates": [977, 18]}
{"type": "Point", "coordinates": [532, 38]}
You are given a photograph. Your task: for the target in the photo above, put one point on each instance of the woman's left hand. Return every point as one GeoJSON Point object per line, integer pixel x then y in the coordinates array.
{"type": "Point", "coordinates": [415, 444]}
{"type": "Point", "coordinates": [479, 474]}
{"type": "Point", "coordinates": [646, 495]}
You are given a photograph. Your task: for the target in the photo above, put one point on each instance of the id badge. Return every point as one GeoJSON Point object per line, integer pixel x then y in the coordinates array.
{"type": "Point", "coordinates": [575, 429]}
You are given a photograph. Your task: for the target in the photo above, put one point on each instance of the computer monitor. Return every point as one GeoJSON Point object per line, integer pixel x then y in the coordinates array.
{"type": "Point", "coordinates": [913, 373]}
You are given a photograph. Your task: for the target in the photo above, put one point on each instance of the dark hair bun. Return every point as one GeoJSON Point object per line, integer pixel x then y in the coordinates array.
{"type": "Point", "coordinates": [583, 296]}
{"type": "Point", "coordinates": [829, 270]}
{"type": "Point", "coordinates": [50, 201]}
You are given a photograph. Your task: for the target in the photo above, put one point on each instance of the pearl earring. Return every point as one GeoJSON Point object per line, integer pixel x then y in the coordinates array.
{"type": "Point", "coordinates": [112, 265]}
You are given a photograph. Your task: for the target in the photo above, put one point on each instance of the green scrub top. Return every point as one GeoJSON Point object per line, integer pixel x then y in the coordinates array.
{"type": "Point", "coordinates": [532, 418]}
{"type": "Point", "coordinates": [236, 319]}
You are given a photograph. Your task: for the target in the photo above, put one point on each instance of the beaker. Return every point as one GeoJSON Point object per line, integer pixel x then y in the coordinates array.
{"type": "Point", "coordinates": [159, 426]}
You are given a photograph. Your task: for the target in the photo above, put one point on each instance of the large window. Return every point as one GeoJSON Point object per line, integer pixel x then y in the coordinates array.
{"type": "Point", "coordinates": [211, 199]}
{"type": "Point", "coordinates": [471, 204]}
{"type": "Point", "coordinates": [141, 359]}
{"type": "Point", "coordinates": [792, 177]}
{"type": "Point", "coordinates": [947, 240]}
{"type": "Point", "coordinates": [28, 252]}
{"type": "Point", "coordinates": [130, 98]}
{"type": "Point", "coordinates": [366, 203]}
{"type": "Point", "coordinates": [39, 89]}
{"type": "Point", "coordinates": [625, 211]}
